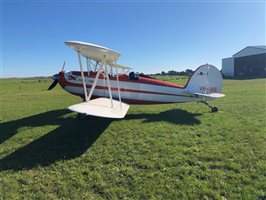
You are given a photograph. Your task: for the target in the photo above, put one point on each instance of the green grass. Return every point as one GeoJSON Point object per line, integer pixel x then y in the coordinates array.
{"type": "Point", "coordinates": [174, 151]}
{"type": "Point", "coordinates": [172, 78]}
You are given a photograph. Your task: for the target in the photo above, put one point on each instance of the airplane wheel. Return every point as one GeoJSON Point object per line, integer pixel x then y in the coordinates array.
{"type": "Point", "coordinates": [81, 116]}
{"type": "Point", "coordinates": [214, 109]}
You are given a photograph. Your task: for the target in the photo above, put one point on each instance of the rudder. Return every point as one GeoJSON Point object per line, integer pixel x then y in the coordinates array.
{"type": "Point", "coordinates": [207, 79]}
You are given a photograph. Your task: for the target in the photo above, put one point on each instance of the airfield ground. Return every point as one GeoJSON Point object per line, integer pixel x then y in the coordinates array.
{"type": "Point", "coordinates": [175, 151]}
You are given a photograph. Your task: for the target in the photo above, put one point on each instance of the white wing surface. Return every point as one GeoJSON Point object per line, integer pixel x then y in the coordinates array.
{"type": "Point", "coordinates": [95, 52]}
{"type": "Point", "coordinates": [101, 107]}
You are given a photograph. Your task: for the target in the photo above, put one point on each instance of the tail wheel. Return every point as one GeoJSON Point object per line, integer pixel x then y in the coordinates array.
{"type": "Point", "coordinates": [214, 109]}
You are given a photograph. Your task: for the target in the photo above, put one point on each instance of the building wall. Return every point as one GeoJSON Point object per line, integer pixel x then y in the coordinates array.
{"type": "Point", "coordinates": [250, 66]}
{"type": "Point", "coordinates": [228, 67]}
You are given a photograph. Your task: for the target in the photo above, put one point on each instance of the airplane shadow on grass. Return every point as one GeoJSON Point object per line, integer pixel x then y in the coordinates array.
{"type": "Point", "coordinates": [72, 138]}
{"type": "Point", "coordinates": [175, 116]}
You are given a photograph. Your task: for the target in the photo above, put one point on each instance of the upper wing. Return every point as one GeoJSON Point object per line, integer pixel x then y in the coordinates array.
{"type": "Point", "coordinates": [95, 52]}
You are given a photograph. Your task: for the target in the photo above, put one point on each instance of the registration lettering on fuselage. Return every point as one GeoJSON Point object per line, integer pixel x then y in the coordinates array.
{"type": "Point", "coordinates": [210, 89]}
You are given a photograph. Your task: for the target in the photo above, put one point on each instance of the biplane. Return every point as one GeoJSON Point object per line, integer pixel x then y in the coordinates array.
{"type": "Point", "coordinates": [108, 88]}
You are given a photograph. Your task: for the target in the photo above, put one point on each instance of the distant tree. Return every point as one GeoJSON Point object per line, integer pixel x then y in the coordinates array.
{"type": "Point", "coordinates": [189, 72]}
{"type": "Point", "coordinates": [172, 72]}
{"type": "Point", "coordinates": [182, 73]}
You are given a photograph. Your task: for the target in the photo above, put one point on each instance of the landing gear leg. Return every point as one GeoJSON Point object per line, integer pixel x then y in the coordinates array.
{"type": "Point", "coordinates": [213, 108]}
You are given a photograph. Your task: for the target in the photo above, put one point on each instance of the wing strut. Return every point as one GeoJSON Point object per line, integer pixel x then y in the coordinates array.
{"type": "Point", "coordinates": [109, 87]}
{"type": "Point", "coordinates": [83, 78]}
{"type": "Point", "coordinates": [95, 82]}
{"type": "Point", "coordinates": [88, 66]}
{"type": "Point", "coordinates": [118, 88]}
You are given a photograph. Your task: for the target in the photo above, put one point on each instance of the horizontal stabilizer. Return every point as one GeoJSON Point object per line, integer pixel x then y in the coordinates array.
{"type": "Point", "coordinates": [212, 95]}
{"type": "Point", "coordinates": [101, 107]}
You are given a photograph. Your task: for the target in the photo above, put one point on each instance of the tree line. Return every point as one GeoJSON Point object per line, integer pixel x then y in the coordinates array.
{"type": "Point", "coordinates": [187, 72]}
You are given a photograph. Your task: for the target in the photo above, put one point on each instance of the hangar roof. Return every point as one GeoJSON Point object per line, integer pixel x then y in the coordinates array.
{"type": "Point", "coordinates": [251, 50]}
{"type": "Point", "coordinates": [260, 46]}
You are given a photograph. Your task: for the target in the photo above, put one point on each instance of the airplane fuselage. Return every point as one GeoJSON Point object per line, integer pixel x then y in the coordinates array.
{"type": "Point", "coordinates": [142, 90]}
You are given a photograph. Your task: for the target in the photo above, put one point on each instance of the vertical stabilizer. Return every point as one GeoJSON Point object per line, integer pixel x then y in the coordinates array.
{"type": "Point", "coordinates": [207, 79]}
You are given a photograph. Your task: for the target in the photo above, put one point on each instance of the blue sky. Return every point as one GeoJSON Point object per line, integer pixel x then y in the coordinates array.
{"type": "Point", "coordinates": [152, 36]}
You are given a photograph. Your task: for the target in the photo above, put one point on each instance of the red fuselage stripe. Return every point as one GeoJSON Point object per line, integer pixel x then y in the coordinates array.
{"type": "Point", "coordinates": [133, 91]}
{"type": "Point", "coordinates": [129, 101]}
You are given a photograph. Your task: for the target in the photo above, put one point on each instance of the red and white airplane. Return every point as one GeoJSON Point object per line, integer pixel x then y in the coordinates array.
{"type": "Point", "coordinates": [107, 93]}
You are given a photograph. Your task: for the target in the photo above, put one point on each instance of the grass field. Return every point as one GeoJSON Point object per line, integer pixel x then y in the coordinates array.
{"type": "Point", "coordinates": [175, 151]}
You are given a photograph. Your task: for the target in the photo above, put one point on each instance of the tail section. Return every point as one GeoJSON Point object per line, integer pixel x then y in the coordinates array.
{"type": "Point", "coordinates": [206, 80]}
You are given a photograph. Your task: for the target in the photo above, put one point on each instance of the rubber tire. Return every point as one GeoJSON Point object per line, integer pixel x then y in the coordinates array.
{"type": "Point", "coordinates": [214, 109]}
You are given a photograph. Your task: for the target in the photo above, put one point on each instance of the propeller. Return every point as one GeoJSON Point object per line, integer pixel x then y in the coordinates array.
{"type": "Point", "coordinates": [63, 66]}
{"type": "Point", "coordinates": [55, 77]}
{"type": "Point", "coordinates": [54, 83]}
